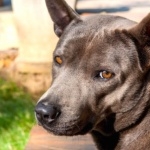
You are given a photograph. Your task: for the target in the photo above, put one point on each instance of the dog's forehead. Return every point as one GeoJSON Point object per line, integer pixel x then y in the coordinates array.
{"type": "Point", "coordinates": [108, 22]}
{"type": "Point", "coordinates": [91, 30]}
{"type": "Point", "coordinates": [95, 39]}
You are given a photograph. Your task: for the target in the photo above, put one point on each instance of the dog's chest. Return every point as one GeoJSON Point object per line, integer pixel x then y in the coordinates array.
{"type": "Point", "coordinates": [136, 138]}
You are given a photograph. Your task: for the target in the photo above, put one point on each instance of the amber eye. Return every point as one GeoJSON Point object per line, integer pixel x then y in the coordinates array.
{"type": "Point", "coordinates": [105, 75]}
{"type": "Point", "coordinates": [58, 60]}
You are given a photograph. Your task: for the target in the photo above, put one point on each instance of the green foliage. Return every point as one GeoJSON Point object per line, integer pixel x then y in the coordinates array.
{"type": "Point", "coordinates": [16, 116]}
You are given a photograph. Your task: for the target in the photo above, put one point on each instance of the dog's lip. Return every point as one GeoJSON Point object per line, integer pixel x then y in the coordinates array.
{"type": "Point", "coordinates": [70, 130]}
{"type": "Point", "coordinates": [77, 126]}
{"type": "Point", "coordinates": [60, 130]}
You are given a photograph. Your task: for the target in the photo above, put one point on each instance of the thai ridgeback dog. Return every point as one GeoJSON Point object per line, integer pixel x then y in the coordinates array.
{"type": "Point", "coordinates": [101, 79]}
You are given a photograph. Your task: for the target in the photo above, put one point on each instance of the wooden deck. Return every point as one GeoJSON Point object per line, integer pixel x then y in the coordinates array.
{"type": "Point", "coordinates": [42, 140]}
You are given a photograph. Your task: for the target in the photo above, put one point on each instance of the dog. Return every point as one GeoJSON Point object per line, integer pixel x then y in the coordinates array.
{"type": "Point", "coordinates": [101, 79]}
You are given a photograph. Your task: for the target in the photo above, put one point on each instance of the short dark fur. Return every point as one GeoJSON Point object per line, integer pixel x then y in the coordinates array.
{"type": "Point", "coordinates": [116, 110]}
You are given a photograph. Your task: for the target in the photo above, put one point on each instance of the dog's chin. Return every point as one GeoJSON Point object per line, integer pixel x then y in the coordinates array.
{"type": "Point", "coordinates": [69, 130]}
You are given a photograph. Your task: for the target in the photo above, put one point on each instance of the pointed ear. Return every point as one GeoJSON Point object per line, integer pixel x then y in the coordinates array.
{"type": "Point", "coordinates": [141, 32]}
{"type": "Point", "coordinates": [61, 14]}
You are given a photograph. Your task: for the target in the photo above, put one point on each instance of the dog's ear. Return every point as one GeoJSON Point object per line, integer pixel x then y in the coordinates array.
{"type": "Point", "coordinates": [61, 14]}
{"type": "Point", "coordinates": [141, 32]}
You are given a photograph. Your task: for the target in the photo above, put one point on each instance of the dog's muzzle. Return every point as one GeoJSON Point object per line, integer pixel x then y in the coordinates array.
{"type": "Point", "coordinates": [46, 113]}
{"type": "Point", "coordinates": [48, 116]}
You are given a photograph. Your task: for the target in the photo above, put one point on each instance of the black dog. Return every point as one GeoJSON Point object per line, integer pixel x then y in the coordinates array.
{"type": "Point", "coordinates": [101, 81]}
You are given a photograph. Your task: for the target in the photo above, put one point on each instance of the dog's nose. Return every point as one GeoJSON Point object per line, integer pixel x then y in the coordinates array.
{"type": "Point", "coordinates": [46, 113]}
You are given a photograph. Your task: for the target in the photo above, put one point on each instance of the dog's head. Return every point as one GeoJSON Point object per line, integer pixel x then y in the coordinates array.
{"type": "Point", "coordinates": [99, 66]}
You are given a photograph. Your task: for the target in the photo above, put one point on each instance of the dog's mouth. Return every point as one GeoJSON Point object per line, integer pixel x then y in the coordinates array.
{"type": "Point", "coordinates": [69, 129]}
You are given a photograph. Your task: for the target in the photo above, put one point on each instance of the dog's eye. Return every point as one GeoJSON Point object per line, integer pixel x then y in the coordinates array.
{"type": "Point", "coordinates": [105, 75]}
{"type": "Point", "coordinates": [58, 60]}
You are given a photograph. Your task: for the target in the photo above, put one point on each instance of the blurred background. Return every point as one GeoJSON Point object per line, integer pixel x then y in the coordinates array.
{"type": "Point", "coordinates": [27, 42]}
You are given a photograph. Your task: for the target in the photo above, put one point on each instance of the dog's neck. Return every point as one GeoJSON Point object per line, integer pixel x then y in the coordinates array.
{"type": "Point", "coordinates": [130, 137]}
{"type": "Point", "coordinates": [125, 120]}
{"type": "Point", "coordinates": [124, 117]}
{"type": "Point", "coordinates": [122, 125]}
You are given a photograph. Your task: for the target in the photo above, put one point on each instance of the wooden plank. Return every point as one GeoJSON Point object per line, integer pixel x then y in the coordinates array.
{"type": "Point", "coordinates": [42, 140]}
